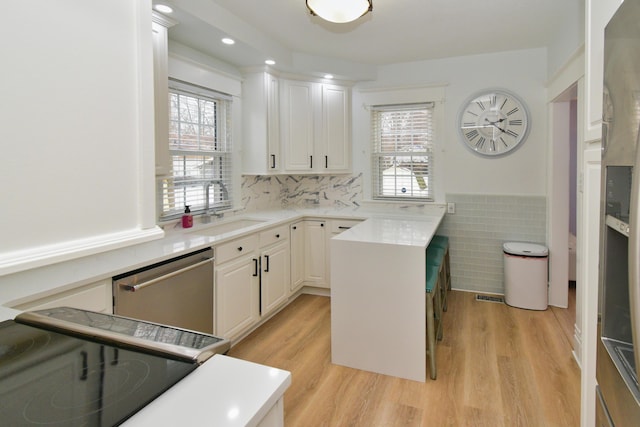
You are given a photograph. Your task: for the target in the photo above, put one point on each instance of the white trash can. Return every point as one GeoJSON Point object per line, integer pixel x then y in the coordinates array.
{"type": "Point", "coordinates": [525, 275]}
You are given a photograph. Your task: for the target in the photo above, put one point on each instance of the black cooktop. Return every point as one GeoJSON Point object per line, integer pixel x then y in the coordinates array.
{"type": "Point", "coordinates": [54, 379]}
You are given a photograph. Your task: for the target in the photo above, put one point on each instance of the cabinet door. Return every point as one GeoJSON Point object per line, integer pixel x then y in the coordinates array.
{"type": "Point", "coordinates": [274, 281]}
{"type": "Point", "coordinates": [274, 159]}
{"type": "Point", "coordinates": [161, 93]}
{"type": "Point", "coordinates": [315, 254]}
{"type": "Point", "coordinates": [335, 143]}
{"type": "Point", "coordinates": [297, 255]}
{"type": "Point", "coordinates": [236, 300]}
{"type": "Point", "coordinates": [297, 125]}
{"type": "Point", "coordinates": [261, 124]}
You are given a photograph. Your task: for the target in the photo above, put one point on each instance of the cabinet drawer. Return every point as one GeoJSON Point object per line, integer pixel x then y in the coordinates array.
{"type": "Point", "coordinates": [274, 235]}
{"type": "Point", "coordinates": [340, 225]}
{"type": "Point", "coordinates": [235, 248]}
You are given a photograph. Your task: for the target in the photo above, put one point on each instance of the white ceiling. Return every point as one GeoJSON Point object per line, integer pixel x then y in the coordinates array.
{"type": "Point", "coordinates": [396, 31]}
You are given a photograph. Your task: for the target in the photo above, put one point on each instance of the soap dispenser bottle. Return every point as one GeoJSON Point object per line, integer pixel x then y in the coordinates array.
{"type": "Point", "coordinates": [187, 218]}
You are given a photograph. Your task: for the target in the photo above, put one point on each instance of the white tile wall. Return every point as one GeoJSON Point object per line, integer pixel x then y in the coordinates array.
{"type": "Point", "coordinates": [481, 224]}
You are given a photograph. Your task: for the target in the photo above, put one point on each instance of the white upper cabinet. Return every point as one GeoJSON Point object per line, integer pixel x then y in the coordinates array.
{"type": "Point", "coordinates": [295, 126]}
{"type": "Point", "coordinates": [316, 127]}
{"type": "Point", "coordinates": [261, 121]}
{"type": "Point", "coordinates": [335, 139]}
{"type": "Point", "coordinates": [298, 115]}
{"type": "Point", "coordinates": [159, 28]}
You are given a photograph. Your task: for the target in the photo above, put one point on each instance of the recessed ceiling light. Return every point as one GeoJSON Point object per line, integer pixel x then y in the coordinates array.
{"type": "Point", "coordinates": [270, 62]}
{"type": "Point", "coordinates": [328, 76]}
{"type": "Point", "coordinates": [227, 40]}
{"type": "Point", "coordinates": [163, 8]}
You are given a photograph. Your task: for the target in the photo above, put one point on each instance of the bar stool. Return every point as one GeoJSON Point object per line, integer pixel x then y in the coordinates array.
{"type": "Point", "coordinates": [436, 256]}
{"type": "Point", "coordinates": [434, 314]}
{"type": "Point", "coordinates": [440, 241]}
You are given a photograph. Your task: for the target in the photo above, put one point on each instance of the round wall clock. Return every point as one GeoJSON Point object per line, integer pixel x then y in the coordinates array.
{"type": "Point", "coordinates": [493, 122]}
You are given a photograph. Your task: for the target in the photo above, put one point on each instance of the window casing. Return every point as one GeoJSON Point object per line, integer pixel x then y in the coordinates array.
{"type": "Point", "coordinates": [402, 154]}
{"type": "Point", "coordinates": [200, 148]}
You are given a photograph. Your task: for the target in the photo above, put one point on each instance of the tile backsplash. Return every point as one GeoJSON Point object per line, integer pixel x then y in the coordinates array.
{"type": "Point", "coordinates": [481, 224]}
{"type": "Point", "coordinates": [477, 230]}
{"type": "Point", "coordinates": [283, 191]}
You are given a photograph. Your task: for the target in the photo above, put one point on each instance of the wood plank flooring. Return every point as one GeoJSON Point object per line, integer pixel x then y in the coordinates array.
{"type": "Point", "coordinates": [497, 366]}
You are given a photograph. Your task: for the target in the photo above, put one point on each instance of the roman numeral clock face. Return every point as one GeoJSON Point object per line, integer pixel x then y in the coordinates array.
{"type": "Point", "coordinates": [493, 123]}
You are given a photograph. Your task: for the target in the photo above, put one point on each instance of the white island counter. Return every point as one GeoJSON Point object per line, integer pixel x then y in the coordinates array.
{"type": "Point", "coordinates": [378, 312]}
{"type": "Point", "coordinates": [222, 392]}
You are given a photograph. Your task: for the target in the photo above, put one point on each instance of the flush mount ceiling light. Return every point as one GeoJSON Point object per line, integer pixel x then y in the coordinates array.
{"type": "Point", "coordinates": [163, 8]}
{"type": "Point", "coordinates": [339, 11]}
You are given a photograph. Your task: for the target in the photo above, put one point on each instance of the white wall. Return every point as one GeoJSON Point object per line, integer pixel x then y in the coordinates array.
{"type": "Point", "coordinates": [524, 72]}
{"type": "Point", "coordinates": [77, 129]}
{"type": "Point", "coordinates": [194, 67]}
{"type": "Point", "coordinates": [567, 40]}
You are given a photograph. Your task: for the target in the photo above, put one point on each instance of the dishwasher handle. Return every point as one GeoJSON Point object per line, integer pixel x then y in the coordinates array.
{"type": "Point", "coordinates": [133, 288]}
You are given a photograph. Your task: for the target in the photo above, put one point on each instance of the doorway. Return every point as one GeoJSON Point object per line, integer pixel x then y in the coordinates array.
{"type": "Point", "coordinates": [563, 187]}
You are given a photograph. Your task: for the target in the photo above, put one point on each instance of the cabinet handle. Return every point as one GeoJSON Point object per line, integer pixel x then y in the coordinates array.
{"type": "Point", "coordinates": [239, 248]}
{"type": "Point", "coordinates": [277, 236]}
{"type": "Point", "coordinates": [342, 227]}
{"type": "Point", "coordinates": [322, 224]}
{"type": "Point", "coordinates": [266, 258]}
{"type": "Point", "coordinates": [295, 228]}
{"type": "Point", "coordinates": [134, 288]}
{"type": "Point", "coordinates": [311, 162]}
{"type": "Point", "coordinates": [255, 267]}
{"type": "Point", "coordinates": [326, 162]}
{"type": "Point", "coordinates": [85, 366]}
{"type": "Point", "coordinates": [273, 161]}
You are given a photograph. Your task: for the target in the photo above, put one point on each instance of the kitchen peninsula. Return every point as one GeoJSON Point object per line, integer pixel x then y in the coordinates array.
{"type": "Point", "coordinates": [403, 231]}
{"type": "Point", "coordinates": [378, 306]}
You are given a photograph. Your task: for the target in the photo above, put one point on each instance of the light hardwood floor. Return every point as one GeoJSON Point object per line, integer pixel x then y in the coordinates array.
{"type": "Point", "coordinates": [497, 366]}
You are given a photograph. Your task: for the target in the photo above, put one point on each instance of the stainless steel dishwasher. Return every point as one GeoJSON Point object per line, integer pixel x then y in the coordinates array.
{"type": "Point", "coordinates": [177, 292]}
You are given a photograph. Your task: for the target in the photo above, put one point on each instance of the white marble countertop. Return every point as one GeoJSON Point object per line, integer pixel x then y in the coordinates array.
{"type": "Point", "coordinates": [222, 392]}
{"type": "Point", "coordinates": [24, 286]}
{"type": "Point", "coordinates": [393, 231]}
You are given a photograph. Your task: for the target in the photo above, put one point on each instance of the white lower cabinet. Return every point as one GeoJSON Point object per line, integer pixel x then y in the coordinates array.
{"type": "Point", "coordinates": [274, 277]}
{"type": "Point", "coordinates": [237, 286]}
{"type": "Point", "coordinates": [310, 250]}
{"type": "Point", "coordinates": [237, 296]}
{"type": "Point", "coordinates": [297, 230]}
{"type": "Point", "coordinates": [275, 272]}
{"type": "Point", "coordinates": [275, 416]}
{"type": "Point", "coordinates": [256, 274]}
{"type": "Point", "coordinates": [93, 297]}
{"type": "Point", "coordinates": [315, 254]}
{"type": "Point", "coordinates": [252, 279]}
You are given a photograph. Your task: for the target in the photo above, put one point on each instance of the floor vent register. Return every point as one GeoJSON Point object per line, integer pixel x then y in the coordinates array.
{"type": "Point", "coordinates": [490, 298]}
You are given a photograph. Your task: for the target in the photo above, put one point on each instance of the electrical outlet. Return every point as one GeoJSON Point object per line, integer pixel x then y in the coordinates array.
{"type": "Point", "coordinates": [451, 208]}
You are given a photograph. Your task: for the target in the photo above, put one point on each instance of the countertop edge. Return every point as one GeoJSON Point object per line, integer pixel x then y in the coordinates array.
{"type": "Point", "coordinates": [24, 286]}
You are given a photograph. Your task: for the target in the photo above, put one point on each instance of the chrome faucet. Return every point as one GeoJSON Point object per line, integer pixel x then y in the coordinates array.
{"type": "Point", "coordinates": [206, 218]}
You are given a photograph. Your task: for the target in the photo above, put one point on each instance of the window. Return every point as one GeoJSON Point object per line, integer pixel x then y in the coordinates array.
{"type": "Point", "coordinates": [402, 151]}
{"type": "Point", "coordinates": [200, 149]}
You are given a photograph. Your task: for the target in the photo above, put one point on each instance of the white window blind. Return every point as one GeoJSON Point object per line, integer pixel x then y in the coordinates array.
{"type": "Point", "coordinates": [402, 155]}
{"type": "Point", "coordinates": [201, 151]}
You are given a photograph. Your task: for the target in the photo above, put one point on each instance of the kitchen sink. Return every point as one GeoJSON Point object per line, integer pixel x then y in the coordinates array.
{"type": "Point", "coordinates": [227, 226]}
